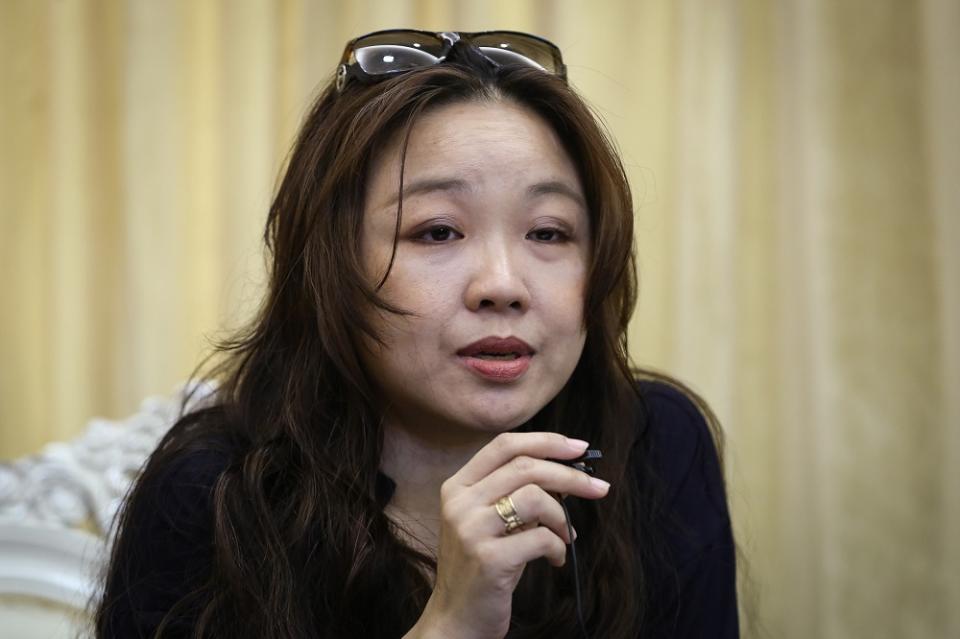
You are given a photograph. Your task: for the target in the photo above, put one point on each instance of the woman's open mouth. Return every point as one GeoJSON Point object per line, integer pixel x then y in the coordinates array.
{"type": "Point", "coordinates": [498, 359]}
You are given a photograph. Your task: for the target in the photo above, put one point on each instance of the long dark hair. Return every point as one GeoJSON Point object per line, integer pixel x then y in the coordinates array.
{"type": "Point", "coordinates": [301, 544]}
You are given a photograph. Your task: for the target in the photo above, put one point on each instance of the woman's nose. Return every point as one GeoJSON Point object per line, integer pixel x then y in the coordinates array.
{"type": "Point", "coordinates": [496, 281]}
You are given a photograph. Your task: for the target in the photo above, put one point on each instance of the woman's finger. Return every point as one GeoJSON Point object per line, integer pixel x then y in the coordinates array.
{"type": "Point", "coordinates": [534, 506]}
{"type": "Point", "coordinates": [514, 551]}
{"type": "Point", "coordinates": [506, 446]}
{"type": "Point", "coordinates": [549, 475]}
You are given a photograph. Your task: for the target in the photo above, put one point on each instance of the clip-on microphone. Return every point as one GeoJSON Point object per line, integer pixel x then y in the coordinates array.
{"type": "Point", "coordinates": [580, 463]}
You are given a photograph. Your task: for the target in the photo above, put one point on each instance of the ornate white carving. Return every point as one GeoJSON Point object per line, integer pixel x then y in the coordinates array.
{"type": "Point", "coordinates": [84, 480]}
{"type": "Point", "coordinates": [54, 564]}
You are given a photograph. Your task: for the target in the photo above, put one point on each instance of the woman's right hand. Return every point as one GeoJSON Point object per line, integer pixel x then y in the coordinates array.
{"type": "Point", "coordinates": [478, 563]}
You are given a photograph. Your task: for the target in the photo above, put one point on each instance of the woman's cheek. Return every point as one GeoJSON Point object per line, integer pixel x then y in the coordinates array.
{"type": "Point", "coordinates": [424, 286]}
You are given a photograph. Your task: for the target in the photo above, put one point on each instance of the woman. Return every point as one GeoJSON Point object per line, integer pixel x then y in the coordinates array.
{"type": "Point", "coordinates": [389, 450]}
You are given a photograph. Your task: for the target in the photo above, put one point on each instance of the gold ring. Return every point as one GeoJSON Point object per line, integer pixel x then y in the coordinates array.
{"type": "Point", "coordinates": [508, 513]}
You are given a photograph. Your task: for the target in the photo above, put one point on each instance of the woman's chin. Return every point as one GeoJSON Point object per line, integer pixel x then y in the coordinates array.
{"type": "Point", "coordinates": [496, 421]}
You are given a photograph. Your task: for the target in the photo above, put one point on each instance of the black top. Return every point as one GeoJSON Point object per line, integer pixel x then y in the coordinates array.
{"type": "Point", "coordinates": [703, 602]}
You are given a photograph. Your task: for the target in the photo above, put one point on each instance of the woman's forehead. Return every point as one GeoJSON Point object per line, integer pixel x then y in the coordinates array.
{"type": "Point", "coordinates": [475, 146]}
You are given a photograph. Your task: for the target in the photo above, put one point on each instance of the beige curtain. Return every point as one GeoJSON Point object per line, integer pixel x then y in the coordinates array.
{"type": "Point", "coordinates": [795, 166]}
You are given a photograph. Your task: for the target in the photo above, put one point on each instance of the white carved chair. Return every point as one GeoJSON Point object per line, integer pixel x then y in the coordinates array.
{"type": "Point", "coordinates": [56, 510]}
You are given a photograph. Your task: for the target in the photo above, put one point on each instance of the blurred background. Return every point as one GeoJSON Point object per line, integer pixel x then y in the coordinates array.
{"type": "Point", "coordinates": [795, 167]}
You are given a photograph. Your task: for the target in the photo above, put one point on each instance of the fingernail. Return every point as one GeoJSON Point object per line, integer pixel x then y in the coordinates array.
{"type": "Point", "coordinates": [599, 483]}
{"type": "Point", "coordinates": [574, 534]}
{"type": "Point", "coordinates": [577, 444]}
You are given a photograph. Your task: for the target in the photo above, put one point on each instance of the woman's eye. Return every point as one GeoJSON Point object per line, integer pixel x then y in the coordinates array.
{"type": "Point", "coordinates": [437, 234]}
{"type": "Point", "coordinates": [548, 235]}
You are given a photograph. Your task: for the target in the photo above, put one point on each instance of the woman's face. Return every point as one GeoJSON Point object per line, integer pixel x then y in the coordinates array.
{"type": "Point", "coordinates": [491, 260]}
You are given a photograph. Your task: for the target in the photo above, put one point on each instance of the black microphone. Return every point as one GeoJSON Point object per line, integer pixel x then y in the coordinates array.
{"type": "Point", "coordinates": [580, 463]}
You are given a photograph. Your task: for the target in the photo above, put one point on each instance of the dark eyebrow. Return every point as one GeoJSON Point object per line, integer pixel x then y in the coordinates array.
{"type": "Point", "coordinates": [429, 185]}
{"type": "Point", "coordinates": [557, 187]}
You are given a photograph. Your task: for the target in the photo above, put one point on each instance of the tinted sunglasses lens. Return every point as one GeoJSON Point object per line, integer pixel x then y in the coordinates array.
{"type": "Point", "coordinates": [396, 51]}
{"type": "Point", "coordinates": [516, 49]}
{"type": "Point", "coordinates": [384, 58]}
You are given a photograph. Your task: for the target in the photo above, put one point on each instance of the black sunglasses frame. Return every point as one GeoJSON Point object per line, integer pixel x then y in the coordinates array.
{"type": "Point", "coordinates": [351, 70]}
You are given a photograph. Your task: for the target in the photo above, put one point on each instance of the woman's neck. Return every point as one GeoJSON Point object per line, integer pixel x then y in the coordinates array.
{"type": "Point", "coordinates": [419, 463]}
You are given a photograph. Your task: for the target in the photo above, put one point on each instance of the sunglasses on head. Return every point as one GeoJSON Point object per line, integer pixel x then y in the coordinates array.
{"type": "Point", "coordinates": [383, 54]}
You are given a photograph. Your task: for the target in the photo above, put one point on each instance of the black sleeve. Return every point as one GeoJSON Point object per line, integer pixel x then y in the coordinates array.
{"type": "Point", "coordinates": [697, 595]}
{"type": "Point", "coordinates": [165, 553]}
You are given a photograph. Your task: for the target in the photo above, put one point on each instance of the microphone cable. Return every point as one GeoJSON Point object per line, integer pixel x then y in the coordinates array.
{"type": "Point", "coordinates": [580, 464]}
{"type": "Point", "coordinates": [576, 572]}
